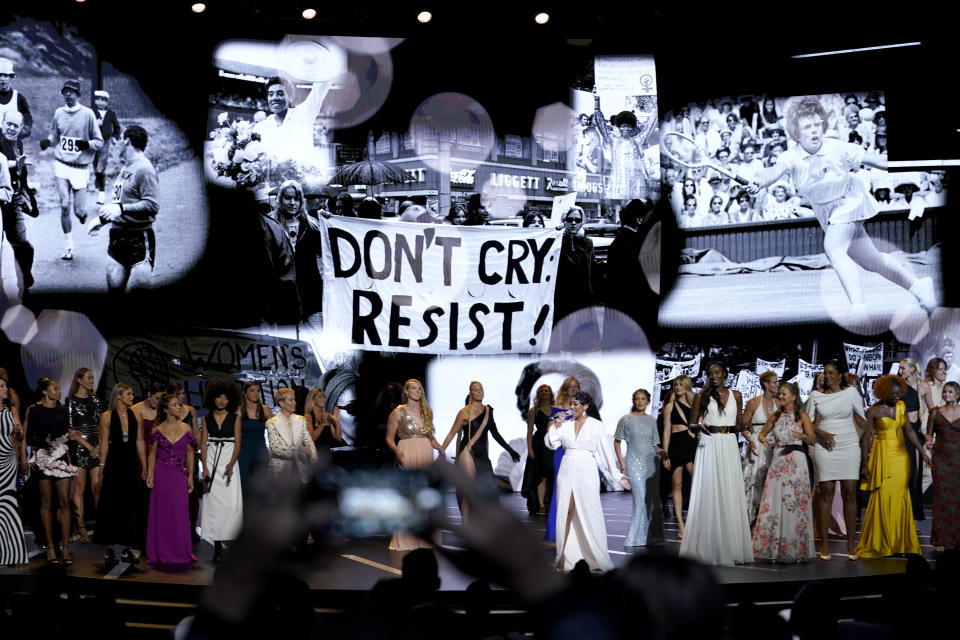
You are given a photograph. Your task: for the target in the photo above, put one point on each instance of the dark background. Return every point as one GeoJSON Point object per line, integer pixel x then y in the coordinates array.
{"type": "Point", "coordinates": [495, 53]}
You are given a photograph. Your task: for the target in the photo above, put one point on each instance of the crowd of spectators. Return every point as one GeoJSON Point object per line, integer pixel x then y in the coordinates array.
{"type": "Point", "coordinates": [746, 135]}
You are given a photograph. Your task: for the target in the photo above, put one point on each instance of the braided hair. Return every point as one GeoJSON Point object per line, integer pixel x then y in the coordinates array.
{"type": "Point", "coordinates": [712, 392]}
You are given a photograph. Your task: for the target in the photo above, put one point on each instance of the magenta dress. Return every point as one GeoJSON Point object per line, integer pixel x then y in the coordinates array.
{"type": "Point", "coordinates": [168, 524]}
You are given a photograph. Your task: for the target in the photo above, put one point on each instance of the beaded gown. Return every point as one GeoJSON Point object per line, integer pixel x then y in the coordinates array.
{"type": "Point", "coordinates": [168, 524]}
{"type": "Point", "coordinates": [84, 416]}
{"type": "Point", "coordinates": [414, 443]}
{"type": "Point", "coordinates": [643, 468]}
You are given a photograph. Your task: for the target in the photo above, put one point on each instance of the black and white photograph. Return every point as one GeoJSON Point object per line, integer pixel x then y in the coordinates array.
{"type": "Point", "coordinates": [108, 194]}
{"type": "Point", "coordinates": [767, 205]}
{"type": "Point", "coordinates": [541, 239]}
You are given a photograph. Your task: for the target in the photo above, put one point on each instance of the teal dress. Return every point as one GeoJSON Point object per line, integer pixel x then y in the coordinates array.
{"type": "Point", "coordinates": [253, 447]}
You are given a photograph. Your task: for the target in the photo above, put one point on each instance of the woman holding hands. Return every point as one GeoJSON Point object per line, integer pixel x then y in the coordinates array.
{"type": "Point", "coordinates": [411, 423]}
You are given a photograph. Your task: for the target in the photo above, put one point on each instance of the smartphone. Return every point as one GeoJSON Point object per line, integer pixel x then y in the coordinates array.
{"type": "Point", "coordinates": [378, 501]}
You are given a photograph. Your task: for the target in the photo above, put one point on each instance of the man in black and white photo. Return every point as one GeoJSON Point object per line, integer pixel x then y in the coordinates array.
{"type": "Point", "coordinates": [11, 127]}
{"type": "Point", "coordinates": [132, 210]}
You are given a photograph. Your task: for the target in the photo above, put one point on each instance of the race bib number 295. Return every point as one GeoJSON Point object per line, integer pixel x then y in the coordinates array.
{"type": "Point", "coordinates": [69, 144]}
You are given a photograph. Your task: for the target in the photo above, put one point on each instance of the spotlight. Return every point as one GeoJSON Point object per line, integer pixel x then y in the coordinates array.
{"type": "Point", "coordinates": [542, 18]}
{"type": "Point", "coordinates": [198, 7]}
{"type": "Point", "coordinates": [424, 17]}
{"type": "Point", "coordinates": [309, 14]}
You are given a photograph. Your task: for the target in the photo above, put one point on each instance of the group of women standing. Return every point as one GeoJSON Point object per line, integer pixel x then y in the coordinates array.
{"type": "Point", "coordinates": [767, 509]}
{"type": "Point", "coordinates": [140, 462]}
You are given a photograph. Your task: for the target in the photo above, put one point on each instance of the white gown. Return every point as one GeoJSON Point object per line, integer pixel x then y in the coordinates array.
{"type": "Point", "coordinates": [755, 467]}
{"type": "Point", "coordinates": [717, 530]}
{"type": "Point", "coordinates": [578, 477]}
{"type": "Point", "coordinates": [222, 512]}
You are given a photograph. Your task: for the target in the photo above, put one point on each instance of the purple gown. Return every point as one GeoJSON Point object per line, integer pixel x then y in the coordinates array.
{"type": "Point", "coordinates": [168, 524]}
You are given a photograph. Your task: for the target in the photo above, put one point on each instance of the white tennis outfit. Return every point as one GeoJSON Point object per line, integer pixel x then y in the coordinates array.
{"type": "Point", "coordinates": [718, 531]}
{"type": "Point", "coordinates": [835, 411]}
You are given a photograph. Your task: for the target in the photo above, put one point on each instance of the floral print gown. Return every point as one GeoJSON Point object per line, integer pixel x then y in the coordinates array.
{"type": "Point", "coordinates": [784, 531]}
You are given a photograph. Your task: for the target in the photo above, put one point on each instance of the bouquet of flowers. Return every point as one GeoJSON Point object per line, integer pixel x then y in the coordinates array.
{"type": "Point", "coordinates": [238, 152]}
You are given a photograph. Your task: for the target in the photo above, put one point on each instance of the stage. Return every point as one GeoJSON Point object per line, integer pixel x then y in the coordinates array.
{"type": "Point", "coordinates": [156, 597]}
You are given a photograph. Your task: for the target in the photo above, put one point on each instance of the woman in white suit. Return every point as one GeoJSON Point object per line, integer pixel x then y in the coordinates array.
{"type": "Point", "coordinates": [581, 530]}
{"type": "Point", "coordinates": [290, 443]}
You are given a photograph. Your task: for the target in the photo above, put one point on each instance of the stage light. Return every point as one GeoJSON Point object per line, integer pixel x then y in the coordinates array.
{"type": "Point", "coordinates": [198, 7]}
{"type": "Point", "coordinates": [309, 14]}
{"type": "Point", "coordinates": [858, 50]}
{"type": "Point", "coordinates": [542, 18]}
{"type": "Point", "coordinates": [424, 17]}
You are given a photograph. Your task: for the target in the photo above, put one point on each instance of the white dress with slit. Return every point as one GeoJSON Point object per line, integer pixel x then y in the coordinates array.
{"type": "Point", "coordinates": [577, 477]}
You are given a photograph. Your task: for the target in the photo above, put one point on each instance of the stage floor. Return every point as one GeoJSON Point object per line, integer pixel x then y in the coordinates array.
{"type": "Point", "coordinates": [359, 564]}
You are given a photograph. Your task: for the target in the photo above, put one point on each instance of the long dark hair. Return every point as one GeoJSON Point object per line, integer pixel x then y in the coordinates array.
{"type": "Point", "coordinates": [75, 383]}
{"type": "Point", "coordinates": [710, 392]}
{"type": "Point", "coordinates": [43, 384]}
{"type": "Point", "coordinates": [243, 400]}
{"type": "Point", "coordinates": [162, 407]}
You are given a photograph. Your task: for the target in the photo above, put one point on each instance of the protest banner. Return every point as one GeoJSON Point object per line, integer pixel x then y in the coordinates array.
{"type": "Point", "coordinates": [864, 361]}
{"type": "Point", "coordinates": [667, 370]}
{"type": "Point", "coordinates": [770, 365]}
{"type": "Point", "coordinates": [424, 288]}
{"type": "Point", "coordinates": [194, 360]}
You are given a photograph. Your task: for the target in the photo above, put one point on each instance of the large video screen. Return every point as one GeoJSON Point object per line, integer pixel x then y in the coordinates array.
{"type": "Point", "coordinates": [786, 205]}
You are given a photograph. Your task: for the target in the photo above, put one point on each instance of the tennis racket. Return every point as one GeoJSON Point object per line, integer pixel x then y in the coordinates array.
{"type": "Point", "coordinates": [684, 150]}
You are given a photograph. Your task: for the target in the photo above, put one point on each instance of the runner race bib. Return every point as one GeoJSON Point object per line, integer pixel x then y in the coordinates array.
{"type": "Point", "coordinates": [69, 145]}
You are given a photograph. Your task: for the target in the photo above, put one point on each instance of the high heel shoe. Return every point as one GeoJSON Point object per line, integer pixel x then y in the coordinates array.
{"type": "Point", "coordinates": [852, 556]}
{"type": "Point", "coordinates": [65, 552]}
{"type": "Point", "coordinates": [51, 554]}
{"type": "Point", "coordinates": [823, 556]}
{"type": "Point", "coordinates": [127, 556]}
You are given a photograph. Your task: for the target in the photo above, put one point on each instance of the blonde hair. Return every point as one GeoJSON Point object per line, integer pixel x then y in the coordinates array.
{"type": "Point", "coordinates": [308, 404]}
{"type": "Point", "coordinates": [563, 395]}
{"type": "Point", "coordinates": [426, 413]}
{"type": "Point", "coordinates": [912, 363]}
{"type": "Point", "coordinates": [536, 396]}
{"type": "Point", "coordinates": [767, 375]}
{"type": "Point", "coordinates": [118, 389]}
{"type": "Point", "coordinates": [687, 384]}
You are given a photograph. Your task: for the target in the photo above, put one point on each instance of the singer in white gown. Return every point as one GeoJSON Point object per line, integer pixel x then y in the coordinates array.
{"type": "Point", "coordinates": [582, 532]}
{"type": "Point", "coordinates": [717, 530]}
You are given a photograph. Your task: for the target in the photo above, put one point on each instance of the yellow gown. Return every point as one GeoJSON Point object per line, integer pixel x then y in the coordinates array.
{"type": "Point", "coordinates": [888, 526]}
